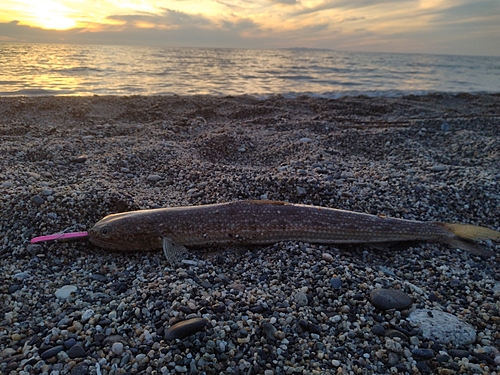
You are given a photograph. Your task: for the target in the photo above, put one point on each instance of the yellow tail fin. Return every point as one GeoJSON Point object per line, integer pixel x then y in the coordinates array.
{"type": "Point", "coordinates": [473, 232]}
{"type": "Point", "coordinates": [467, 232]}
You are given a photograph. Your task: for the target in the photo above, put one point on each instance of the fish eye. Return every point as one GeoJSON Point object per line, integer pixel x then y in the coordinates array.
{"type": "Point", "coordinates": [104, 231]}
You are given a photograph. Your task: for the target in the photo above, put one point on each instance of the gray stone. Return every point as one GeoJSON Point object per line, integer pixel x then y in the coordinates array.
{"type": "Point", "coordinates": [438, 168]}
{"type": "Point", "coordinates": [385, 299]}
{"type": "Point", "coordinates": [301, 299]}
{"type": "Point", "coordinates": [117, 348]}
{"type": "Point", "coordinates": [154, 177]}
{"type": "Point", "coordinates": [65, 291]}
{"type": "Point", "coordinates": [443, 327]}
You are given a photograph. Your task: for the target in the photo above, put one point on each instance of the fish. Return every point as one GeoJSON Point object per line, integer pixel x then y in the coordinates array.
{"type": "Point", "coordinates": [264, 222]}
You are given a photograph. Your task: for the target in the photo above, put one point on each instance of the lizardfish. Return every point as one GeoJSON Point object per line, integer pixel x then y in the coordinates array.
{"type": "Point", "coordinates": [243, 223]}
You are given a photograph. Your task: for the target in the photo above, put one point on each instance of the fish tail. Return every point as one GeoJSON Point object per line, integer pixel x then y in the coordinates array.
{"type": "Point", "coordinates": [473, 232]}
{"type": "Point", "coordinates": [463, 233]}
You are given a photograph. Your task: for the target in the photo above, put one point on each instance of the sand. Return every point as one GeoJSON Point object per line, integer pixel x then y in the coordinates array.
{"type": "Point", "coordinates": [66, 162]}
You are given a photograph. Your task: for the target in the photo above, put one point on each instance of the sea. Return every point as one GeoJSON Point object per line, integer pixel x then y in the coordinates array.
{"type": "Point", "coordinates": [62, 69]}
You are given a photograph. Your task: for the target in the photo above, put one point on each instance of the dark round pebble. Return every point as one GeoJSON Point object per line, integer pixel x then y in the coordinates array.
{"type": "Point", "coordinates": [315, 328]}
{"type": "Point", "coordinates": [257, 309]}
{"type": "Point", "coordinates": [378, 329]}
{"type": "Point", "coordinates": [69, 343]}
{"type": "Point", "coordinates": [49, 353]}
{"type": "Point", "coordinates": [185, 328]}
{"type": "Point", "coordinates": [219, 308]}
{"type": "Point", "coordinates": [76, 351]}
{"type": "Point", "coordinates": [38, 200]}
{"type": "Point", "coordinates": [185, 309]}
{"type": "Point", "coordinates": [423, 353]}
{"type": "Point", "coordinates": [385, 299]}
{"type": "Point", "coordinates": [336, 283]}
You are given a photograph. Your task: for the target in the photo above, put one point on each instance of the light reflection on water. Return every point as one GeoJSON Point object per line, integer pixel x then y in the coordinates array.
{"type": "Point", "coordinates": [40, 69]}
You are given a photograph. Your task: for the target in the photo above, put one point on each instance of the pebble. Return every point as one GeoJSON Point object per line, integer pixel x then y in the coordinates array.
{"type": "Point", "coordinates": [385, 299]}
{"type": "Point", "coordinates": [305, 140]}
{"type": "Point", "coordinates": [459, 353]}
{"type": "Point", "coordinates": [9, 317]}
{"type": "Point", "coordinates": [301, 191]}
{"type": "Point", "coordinates": [269, 330]}
{"type": "Point", "coordinates": [69, 343]}
{"type": "Point", "coordinates": [185, 328]}
{"type": "Point", "coordinates": [443, 327]}
{"type": "Point", "coordinates": [336, 283]}
{"type": "Point", "coordinates": [21, 276]}
{"type": "Point", "coordinates": [438, 168]}
{"type": "Point", "coordinates": [327, 257]}
{"type": "Point", "coordinates": [33, 175]}
{"type": "Point", "coordinates": [117, 348]}
{"type": "Point", "coordinates": [52, 352]}
{"type": "Point", "coordinates": [378, 329]}
{"type": "Point", "coordinates": [38, 200]}
{"type": "Point", "coordinates": [301, 299]}
{"type": "Point", "coordinates": [65, 291]}
{"type": "Point", "coordinates": [154, 177]}
{"type": "Point", "coordinates": [81, 368]}
{"type": "Point", "coordinates": [87, 315]}
{"type": "Point", "coordinates": [80, 159]}
{"type": "Point", "coordinates": [423, 353]}
{"type": "Point", "coordinates": [76, 351]}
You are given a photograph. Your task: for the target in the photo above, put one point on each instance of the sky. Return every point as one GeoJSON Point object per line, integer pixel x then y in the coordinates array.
{"type": "Point", "coordinates": [458, 27]}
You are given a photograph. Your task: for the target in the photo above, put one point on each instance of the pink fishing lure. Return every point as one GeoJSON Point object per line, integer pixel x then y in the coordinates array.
{"type": "Point", "coordinates": [61, 237]}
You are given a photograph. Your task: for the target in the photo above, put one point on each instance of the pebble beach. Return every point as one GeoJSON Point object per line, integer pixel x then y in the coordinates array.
{"type": "Point", "coordinates": [289, 308]}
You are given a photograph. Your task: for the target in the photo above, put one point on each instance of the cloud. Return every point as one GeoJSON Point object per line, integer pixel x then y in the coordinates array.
{"type": "Point", "coordinates": [287, 2]}
{"type": "Point", "coordinates": [441, 26]}
{"type": "Point", "coordinates": [166, 18]}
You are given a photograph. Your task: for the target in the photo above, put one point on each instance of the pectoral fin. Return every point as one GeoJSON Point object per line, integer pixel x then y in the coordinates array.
{"type": "Point", "coordinates": [174, 253]}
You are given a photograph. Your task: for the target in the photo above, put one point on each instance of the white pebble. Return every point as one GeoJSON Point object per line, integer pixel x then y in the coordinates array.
{"type": "Point", "coordinates": [87, 315]}
{"type": "Point", "coordinates": [65, 291]}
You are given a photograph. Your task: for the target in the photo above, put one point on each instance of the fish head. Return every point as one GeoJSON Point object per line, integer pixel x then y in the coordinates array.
{"type": "Point", "coordinates": [126, 231]}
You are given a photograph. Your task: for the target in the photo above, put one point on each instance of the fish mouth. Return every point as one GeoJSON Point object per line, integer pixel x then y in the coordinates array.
{"type": "Point", "coordinates": [102, 242]}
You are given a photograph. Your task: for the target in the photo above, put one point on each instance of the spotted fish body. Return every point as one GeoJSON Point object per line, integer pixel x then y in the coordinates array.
{"type": "Point", "coordinates": [261, 223]}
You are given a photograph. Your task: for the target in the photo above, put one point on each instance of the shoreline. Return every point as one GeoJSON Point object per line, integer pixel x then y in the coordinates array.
{"type": "Point", "coordinates": [69, 161]}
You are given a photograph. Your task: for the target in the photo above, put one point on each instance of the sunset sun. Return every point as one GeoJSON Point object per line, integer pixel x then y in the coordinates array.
{"type": "Point", "coordinates": [54, 21]}
{"type": "Point", "coordinates": [52, 15]}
